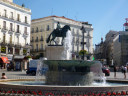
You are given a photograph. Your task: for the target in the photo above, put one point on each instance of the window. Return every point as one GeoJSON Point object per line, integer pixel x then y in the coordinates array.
{"type": "Point", "coordinates": [32, 30]}
{"type": "Point", "coordinates": [37, 29]}
{"type": "Point", "coordinates": [11, 26]}
{"type": "Point", "coordinates": [11, 15]}
{"type": "Point", "coordinates": [4, 25]}
{"type": "Point", "coordinates": [41, 30]}
{"type": "Point", "coordinates": [36, 39]}
{"type": "Point", "coordinates": [47, 28]}
{"type": "Point", "coordinates": [4, 37]}
{"type": "Point", "coordinates": [18, 31]}
{"type": "Point", "coordinates": [26, 19]}
{"type": "Point", "coordinates": [5, 13]}
{"type": "Point", "coordinates": [32, 48]}
{"type": "Point", "coordinates": [41, 38]}
{"type": "Point", "coordinates": [18, 17]}
{"type": "Point", "coordinates": [25, 41]}
{"type": "Point", "coordinates": [17, 40]}
{"type": "Point", "coordinates": [41, 47]}
{"type": "Point", "coordinates": [36, 47]}
{"type": "Point", "coordinates": [25, 30]}
{"type": "Point", "coordinates": [10, 39]}
{"type": "Point", "coordinates": [32, 39]}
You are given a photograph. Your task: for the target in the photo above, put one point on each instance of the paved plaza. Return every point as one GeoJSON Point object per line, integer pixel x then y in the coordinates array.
{"type": "Point", "coordinates": [17, 74]}
{"type": "Point", "coordinates": [23, 75]}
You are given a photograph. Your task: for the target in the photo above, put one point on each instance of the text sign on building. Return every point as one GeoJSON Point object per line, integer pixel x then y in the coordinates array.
{"type": "Point", "coordinates": [24, 51]}
{"type": "Point", "coordinates": [3, 49]}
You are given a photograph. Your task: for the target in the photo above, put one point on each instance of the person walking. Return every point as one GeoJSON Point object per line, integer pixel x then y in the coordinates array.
{"type": "Point", "coordinates": [115, 70]}
{"type": "Point", "coordinates": [124, 71]}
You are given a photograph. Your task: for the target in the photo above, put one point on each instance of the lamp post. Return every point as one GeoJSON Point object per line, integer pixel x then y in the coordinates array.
{"type": "Point", "coordinates": [83, 43]}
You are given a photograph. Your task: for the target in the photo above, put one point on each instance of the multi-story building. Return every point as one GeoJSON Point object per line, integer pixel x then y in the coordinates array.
{"type": "Point", "coordinates": [41, 28]}
{"type": "Point", "coordinates": [15, 23]}
{"type": "Point", "coordinates": [120, 44]}
{"type": "Point", "coordinates": [108, 46]}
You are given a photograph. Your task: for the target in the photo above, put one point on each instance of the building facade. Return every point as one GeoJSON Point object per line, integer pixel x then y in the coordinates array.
{"type": "Point", "coordinates": [41, 28]}
{"type": "Point", "coordinates": [120, 43]}
{"type": "Point", "coordinates": [15, 24]}
{"type": "Point", "coordinates": [108, 51]}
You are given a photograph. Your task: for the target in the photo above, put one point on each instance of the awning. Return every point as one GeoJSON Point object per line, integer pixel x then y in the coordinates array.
{"type": "Point", "coordinates": [5, 60]}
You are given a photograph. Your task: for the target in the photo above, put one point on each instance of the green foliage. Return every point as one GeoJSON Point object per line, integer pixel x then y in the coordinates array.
{"type": "Point", "coordinates": [83, 52]}
{"type": "Point", "coordinates": [28, 56]}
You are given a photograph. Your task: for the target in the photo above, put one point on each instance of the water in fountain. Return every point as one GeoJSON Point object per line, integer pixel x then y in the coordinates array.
{"type": "Point", "coordinates": [40, 72]}
{"type": "Point", "coordinates": [66, 54]}
{"type": "Point", "coordinates": [98, 74]}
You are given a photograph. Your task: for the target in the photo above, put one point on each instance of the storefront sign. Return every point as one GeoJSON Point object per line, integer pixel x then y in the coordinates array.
{"type": "Point", "coordinates": [25, 51]}
{"type": "Point", "coordinates": [18, 57]}
{"type": "Point", "coordinates": [3, 49]}
{"type": "Point", "coordinates": [10, 57]}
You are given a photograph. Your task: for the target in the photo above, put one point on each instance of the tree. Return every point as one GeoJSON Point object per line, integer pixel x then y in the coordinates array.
{"type": "Point", "coordinates": [83, 52]}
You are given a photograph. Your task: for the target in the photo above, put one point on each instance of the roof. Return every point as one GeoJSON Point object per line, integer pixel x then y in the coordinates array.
{"type": "Point", "coordinates": [15, 5]}
{"type": "Point", "coordinates": [86, 23]}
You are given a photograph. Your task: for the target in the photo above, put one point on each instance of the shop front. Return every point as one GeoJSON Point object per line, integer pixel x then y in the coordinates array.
{"type": "Point", "coordinates": [18, 63]}
{"type": "Point", "coordinates": [3, 62]}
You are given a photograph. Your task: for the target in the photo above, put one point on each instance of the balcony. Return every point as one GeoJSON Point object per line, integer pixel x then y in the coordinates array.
{"type": "Point", "coordinates": [26, 22]}
{"type": "Point", "coordinates": [4, 29]}
{"type": "Point", "coordinates": [17, 46]}
{"type": "Point", "coordinates": [25, 34]}
{"type": "Point", "coordinates": [27, 46]}
{"type": "Point", "coordinates": [36, 40]}
{"type": "Point", "coordinates": [18, 32]}
{"type": "Point", "coordinates": [38, 50]}
{"type": "Point", "coordinates": [32, 40]}
{"type": "Point", "coordinates": [4, 43]}
{"type": "Point", "coordinates": [11, 44]}
{"type": "Point", "coordinates": [5, 15]}
{"type": "Point", "coordinates": [41, 39]}
{"type": "Point", "coordinates": [11, 31]}
{"type": "Point", "coordinates": [11, 17]}
{"type": "Point", "coordinates": [32, 31]}
{"type": "Point", "coordinates": [18, 19]}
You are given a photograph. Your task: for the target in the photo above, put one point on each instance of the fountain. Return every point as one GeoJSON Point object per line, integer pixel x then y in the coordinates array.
{"type": "Point", "coordinates": [64, 77]}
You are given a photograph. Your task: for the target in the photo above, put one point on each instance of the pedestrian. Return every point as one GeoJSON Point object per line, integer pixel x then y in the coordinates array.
{"type": "Point", "coordinates": [3, 76]}
{"type": "Point", "coordinates": [115, 70]}
{"type": "Point", "coordinates": [124, 71]}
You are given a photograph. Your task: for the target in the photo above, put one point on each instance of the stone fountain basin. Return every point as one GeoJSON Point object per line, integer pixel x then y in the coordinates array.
{"type": "Point", "coordinates": [71, 89]}
{"type": "Point", "coordinates": [71, 72]}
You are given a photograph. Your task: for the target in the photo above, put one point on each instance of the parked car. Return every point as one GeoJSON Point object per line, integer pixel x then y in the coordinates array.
{"type": "Point", "coordinates": [33, 67]}
{"type": "Point", "coordinates": [106, 71]}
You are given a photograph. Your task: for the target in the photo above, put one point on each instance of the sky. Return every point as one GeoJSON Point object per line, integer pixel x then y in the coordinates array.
{"type": "Point", "coordinates": [104, 15]}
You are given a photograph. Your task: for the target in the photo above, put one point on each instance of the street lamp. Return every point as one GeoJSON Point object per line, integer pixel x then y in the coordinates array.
{"type": "Point", "coordinates": [83, 43]}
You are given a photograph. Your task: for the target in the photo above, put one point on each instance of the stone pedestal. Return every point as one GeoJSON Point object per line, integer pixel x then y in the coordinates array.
{"type": "Point", "coordinates": [54, 52]}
